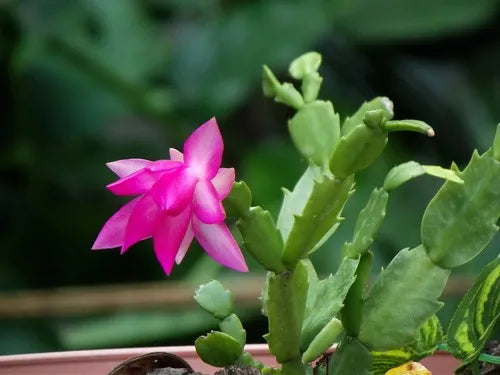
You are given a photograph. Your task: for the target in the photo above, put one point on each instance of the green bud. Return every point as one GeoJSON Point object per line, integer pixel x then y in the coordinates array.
{"type": "Point", "coordinates": [238, 202]}
{"type": "Point", "coordinates": [315, 130]}
{"type": "Point", "coordinates": [215, 299]}
{"type": "Point", "coordinates": [310, 86]}
{"type": "Point", "coordinates": [409, 125]}
{"type": "Point", "coordinates": [262, 239]}
{"type": "Point", "coordinates": [304, 65]}
{"type": "Point", "coordinates": [357, 150]}
{"type": "Point", "coordinates": [374, 119]}
{"type": "Point", "coordinates": [383, 103]}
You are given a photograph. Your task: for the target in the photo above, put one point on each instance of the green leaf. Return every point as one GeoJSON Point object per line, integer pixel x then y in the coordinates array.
{"type": "Point", "coordinates": [310, 87]}
{"type": "Point", "coordinates": [461, 219]}
{"type": "Point", "coordinates": [325, 298]}
{"type": "Point", "coordinates": [367, 225]}
{"type": "Point", "coordinates": [295, 201]}
{"type": "Point", "coordinates": [315, 130]}
{"type": "Point", "coordinates": [304, 65]}
{"type": "Point", "coordinates": [425, 344]}
{"type": "Point", "coordinates": [238, 202]}
{"type": "Point", "coordinates": [319, 217]}
{"type": "Point", "coordinates": [351, 357]}
{"type": "Point", "coordinates": [477, 315]}
{"type": "Point", "coordinates": [405, 172]}
{"type": "Point", "coordinates": [233, 327]}
{"type": "Point", "coordinates": [395, 309]}
{"type": "Point", "coordinates": [214, 298]}
{"type": "Point", "coordinates": [270, 83]}
{"type": "Point", "coordinates": [357, 150]}
{"type": "Point", "coordinates": [218, 349]}
{"type": "Point", "coordinates": [382, 103]}
{"type": "Point", "coordinates": [284, 302]}
{"type": "Point", "coordinates": [447, 174]}
{"type": "Point", "coordinates": [262, 239]}
{"type": "Point", "coordinates": [285, 92]}
{"type": "Point", "coordinates": [409, 125]}
{"type": "Point", "coordinates": [323, 340]}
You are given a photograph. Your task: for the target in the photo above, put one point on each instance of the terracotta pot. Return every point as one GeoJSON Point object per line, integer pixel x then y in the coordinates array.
{"type": "Point", "coordinates": [101, 362]}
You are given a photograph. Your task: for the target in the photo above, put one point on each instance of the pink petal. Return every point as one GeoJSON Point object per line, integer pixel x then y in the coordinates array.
{"type": "Point", "coordinates": [203, 150]}
{"type": "Point", "coordinates": [174, 191]}
{"type": "Point", "coordinates": [168, 236]}
{"type": "Point", "coordinates": [142, 222]}
{"type": "Point", "coordinates": [219, 243]}
{"type": "Point", "coordinates": [223, 182]}
{"type": "Point", "coordinates": [186, 242]}
{"type": "Point", "coordinates": [207, 205]}
{"type": "Point", "coordinates": [175, 155]}
{"type": "Point", "coordinates": [164, 165]}
{"type": "Point", "coordinates": [137, 183]}
{"type": "Point", "coordinates": [125, 167]}
{"type": "Point", "coordinates": [112, 233]}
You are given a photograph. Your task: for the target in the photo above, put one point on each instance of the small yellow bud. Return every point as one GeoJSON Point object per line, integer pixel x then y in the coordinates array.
{"type": "Point", "coordinates": [410, 368]}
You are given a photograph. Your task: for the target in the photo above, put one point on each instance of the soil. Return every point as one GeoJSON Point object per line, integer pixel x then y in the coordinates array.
{"type": "Point", "coordinates": [493, 348]}
{"type": "Point", "coordinates": [230, 370]}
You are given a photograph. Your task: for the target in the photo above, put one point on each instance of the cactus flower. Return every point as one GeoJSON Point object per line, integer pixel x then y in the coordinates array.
{"type": "Point", "coordinates": [177, 200]}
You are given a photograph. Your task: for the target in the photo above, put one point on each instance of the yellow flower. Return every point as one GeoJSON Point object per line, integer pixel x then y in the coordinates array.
{"type": "Point", "coordinates": [410, 368]}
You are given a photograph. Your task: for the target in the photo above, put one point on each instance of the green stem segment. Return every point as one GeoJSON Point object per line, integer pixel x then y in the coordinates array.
{"type": "Point", "coordinates": [352, 312]}
{"type": "Point", "coordinates": [284, 302]}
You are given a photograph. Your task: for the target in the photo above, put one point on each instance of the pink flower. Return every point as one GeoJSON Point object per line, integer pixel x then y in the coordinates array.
{"type": "Point", "coordinates": [179, 199]}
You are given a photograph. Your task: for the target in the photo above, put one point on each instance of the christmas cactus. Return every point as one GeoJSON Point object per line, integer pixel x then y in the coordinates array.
{"type": "Point", "coordinates": [377, 330]}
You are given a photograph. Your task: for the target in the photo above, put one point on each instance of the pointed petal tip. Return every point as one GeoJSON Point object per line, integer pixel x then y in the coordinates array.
{"type": "Point", "coordinates": [203, 149]}
{"type": "Point", "coordinates": [219, 244]}
{"type": "Point", "coordinates": [126, 167]}
{"type": "Point", "coordinates": [175, 154]}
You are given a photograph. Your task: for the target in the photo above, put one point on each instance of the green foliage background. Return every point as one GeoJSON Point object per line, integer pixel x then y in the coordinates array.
{"type": "Point", "coordinates": [90, 81]}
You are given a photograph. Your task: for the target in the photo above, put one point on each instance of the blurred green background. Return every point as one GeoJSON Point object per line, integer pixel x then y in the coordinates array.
{"type": "Point", "coordinates": [90, 81]}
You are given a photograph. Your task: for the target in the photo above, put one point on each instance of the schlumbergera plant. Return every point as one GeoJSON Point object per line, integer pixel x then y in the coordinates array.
{"type": "Point", "coordinates": [376, 330]}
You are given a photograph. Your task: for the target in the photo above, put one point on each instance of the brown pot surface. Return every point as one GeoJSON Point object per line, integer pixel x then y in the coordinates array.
{"type": "Point", "coordinates": [101, 362]}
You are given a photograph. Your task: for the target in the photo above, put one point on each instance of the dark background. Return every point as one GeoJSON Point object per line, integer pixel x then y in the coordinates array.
{"type": "Point", "coordinates": [84, 82]}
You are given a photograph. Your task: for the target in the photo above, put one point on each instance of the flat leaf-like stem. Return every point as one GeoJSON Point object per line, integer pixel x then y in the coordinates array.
{"type": "Point", "coordinates": [405, 172]}
{"type": "Point", "coordinates": [461, 218]}
{"type": "Point", "coordinates": [315, 130]}
{"type": "Point", "coordinates": [351, 357]}
{"type": "Point", "coordinates": [215, 299]}
{"type": "Point", "coordinates": [284, 302]}
{"type": "Point", "coordinates": [325, 299]}
{"type": "Point", "coordinates": [357, 150]}
{"type": "Point", "coordinates": [395, 309]}
{"type": "Point", "coordinates": [320, 214]}
{"type": "Point", "coordinates": [367, 225]}
{"type": "Point", "coordinates": [262, 239]}
{"type": "Point", "coordinates": [218, 349]}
